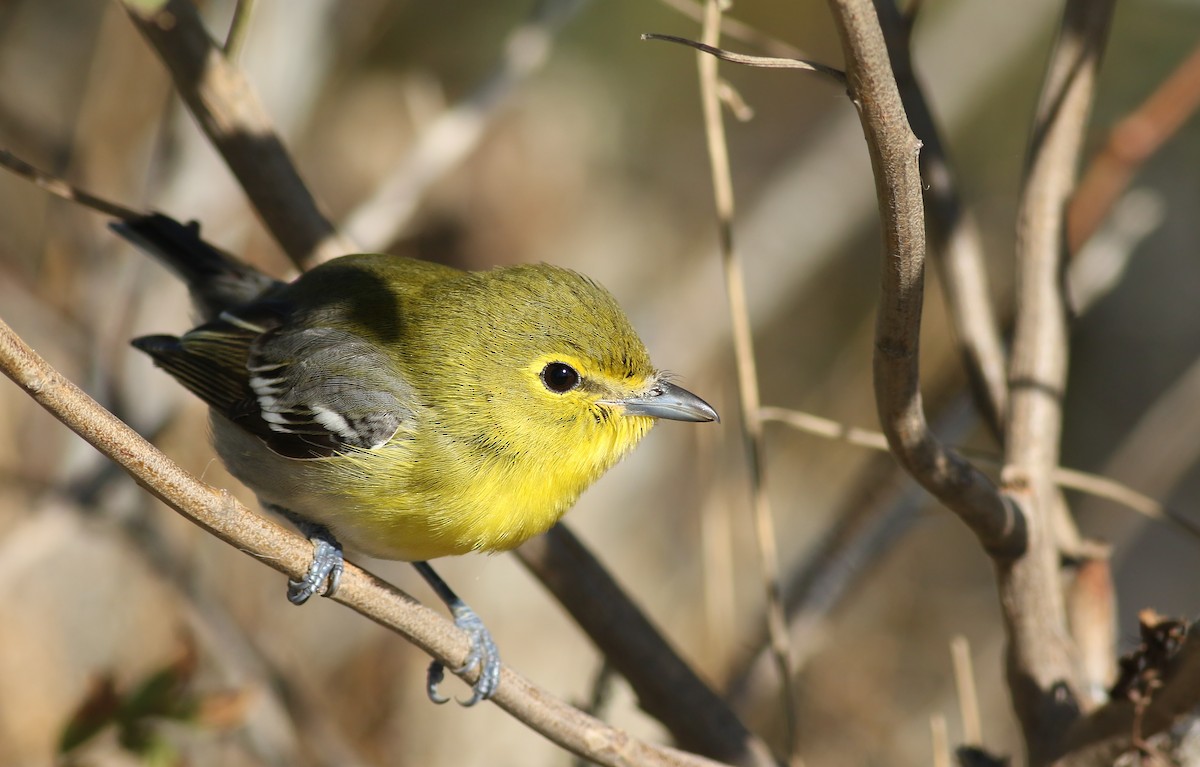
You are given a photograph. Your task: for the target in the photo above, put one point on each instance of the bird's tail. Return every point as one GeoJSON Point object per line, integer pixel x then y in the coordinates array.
{"type": "Point", "coordinates": [216, 280]}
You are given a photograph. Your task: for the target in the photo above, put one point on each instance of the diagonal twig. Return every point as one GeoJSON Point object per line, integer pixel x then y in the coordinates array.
{"type": "Point", "coordinates": [228, 110]}
{"type": "Point", "coordinates": [219, 513]}
{"type": "Point", "coordinates": [631, 643]}
{"type": "Point", "coordinates": [763, 62]}
{"type": "Point", "coordinates": [656, 672]}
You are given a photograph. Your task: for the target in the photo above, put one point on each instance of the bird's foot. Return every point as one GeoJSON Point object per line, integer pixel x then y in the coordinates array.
{"type": "Point", "coordinates": [483, 655]}
{"type": "Point", "coordinates": [327, 566]}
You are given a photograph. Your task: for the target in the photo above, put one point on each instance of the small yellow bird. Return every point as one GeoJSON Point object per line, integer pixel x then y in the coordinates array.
{"type": "Point", "coordinates": [407, 409]}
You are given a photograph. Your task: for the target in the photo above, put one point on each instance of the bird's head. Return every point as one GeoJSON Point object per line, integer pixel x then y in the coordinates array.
{"type": "Point", "coordinates": [562, 376]}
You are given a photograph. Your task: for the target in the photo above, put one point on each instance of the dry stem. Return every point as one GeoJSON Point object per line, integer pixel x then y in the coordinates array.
{"type": "Point", "coordinates": [748, 391]}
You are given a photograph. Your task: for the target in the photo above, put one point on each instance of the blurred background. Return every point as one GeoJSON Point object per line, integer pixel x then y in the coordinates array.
{"type": "Point", "coordinates": [593, 159]}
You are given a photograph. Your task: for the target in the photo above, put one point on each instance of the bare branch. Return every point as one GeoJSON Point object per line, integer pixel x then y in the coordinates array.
{"type": "Point", "coordinates": [60, 188]}
{"type": "Point", "coordinates": [968, 696]}
{"type": "Point", "coordinates": [1043, 674]}
{"type": "Point", "coordinates": [219, 513]}
{"type": "Point", "coordinates": [243, 11]}
{"type": "Point", "coordinates": [635, 649]}
{"type": "Point", "coordinates": [957, 246]}
{"type": "Point", "coordinates": [764, 62]}
{"type": "Point", "coordinates": [893, 149]}
{"type": "Point", "coordinates": [228, 110]}
{"type": "Point", "coordinates": [737, 30]}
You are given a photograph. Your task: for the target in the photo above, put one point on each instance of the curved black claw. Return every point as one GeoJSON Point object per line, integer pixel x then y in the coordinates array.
{"type": "Point", "coordinates": [327, 565]}
{"type": "Point", "coordinates": [483, 655]}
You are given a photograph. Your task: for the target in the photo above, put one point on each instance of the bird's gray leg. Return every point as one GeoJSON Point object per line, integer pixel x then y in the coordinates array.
{"type": "Point", "coordinates": [483, 654]}
{"type": "Point", "coordinates": [327, 563]}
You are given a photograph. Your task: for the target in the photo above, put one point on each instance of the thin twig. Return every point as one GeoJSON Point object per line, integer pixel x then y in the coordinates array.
{"type": "Point", "coordinates": [747, 372]}
{"type": "Point", "coordinates": [239, 27]}
{"type": "Point", "coordinates": [968, 697]}
{"type": "Point", "coordinates": [1070, 479]}
{"type": "Point", "coordinates": [219, 513]}
{"type": "Point", "coordinates": [1092, 618]}
{"type": "Point", "coordinates": [939, 740]}
{"type": "Point", "coordinates": [60, 188]}
{"type": "Point", "coordinates": [228, 110]}
{"type": "Point", "coordinates": [764, 62]}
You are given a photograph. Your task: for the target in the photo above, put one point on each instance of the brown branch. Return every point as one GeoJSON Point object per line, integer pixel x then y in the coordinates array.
{"type": "Point", "coordinates": [957, 245]}
{"type": "Point", "coordinates": [893, 149]}
{"type": "Point", "coordinates": [763, 62]}
{"type": "Point", "coordinates": [631, 644]}
{"type": "Point", "coordinates": [220, 514]}
{"type": "Point", "coordinates": [1043, 675]}
{"type": "Point", "coordinates": [230, 114]}
{"type": "Point", "coordinates": [1130, 143]}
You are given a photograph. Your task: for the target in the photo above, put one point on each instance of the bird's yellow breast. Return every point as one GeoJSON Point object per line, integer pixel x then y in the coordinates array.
{"type": "Point", "coordinates": [423, 496]}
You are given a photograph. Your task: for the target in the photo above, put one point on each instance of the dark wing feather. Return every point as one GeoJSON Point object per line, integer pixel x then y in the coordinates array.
{"type": "Point", "coordinates": [306, 392]}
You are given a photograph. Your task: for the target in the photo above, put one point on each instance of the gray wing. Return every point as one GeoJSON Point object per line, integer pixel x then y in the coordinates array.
{"type": "Point", "coordinates": [306, 392]}
{"type": "Point", "coordinates": [322, 386]}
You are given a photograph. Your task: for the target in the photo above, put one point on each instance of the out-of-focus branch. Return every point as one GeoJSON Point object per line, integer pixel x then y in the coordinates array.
{"type": "Point", "coordinates": [239, 27]}
{"type": "Point", "coordinates": [1130, 143]}
{"type": "Point", "coordinates": [893, 149]}
{"type": "Point", "coordinates": [219, 513]}
{"type": "Point", "coordinates": [230, 114]}
{"type": "Point", "coordinates": [635, 649]}
{"type": "Point", "coordinates": [450, 138]}
{"type": "Point", "coordinates": [1097, 739]}
{"type": "Point", "coordinates": [957, 246]}
{"type": "Point", "coordinates": [60, 188]}
{"type": "Point", "coordinates": [1042, 663]}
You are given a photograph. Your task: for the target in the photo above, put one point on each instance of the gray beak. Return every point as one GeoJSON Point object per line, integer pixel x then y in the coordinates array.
{"type": "Point", "coordinates": [666, 400]}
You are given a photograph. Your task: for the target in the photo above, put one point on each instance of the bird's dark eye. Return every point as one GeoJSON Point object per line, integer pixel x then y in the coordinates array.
{"type": "Point", "coordinates": [560, 377]}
